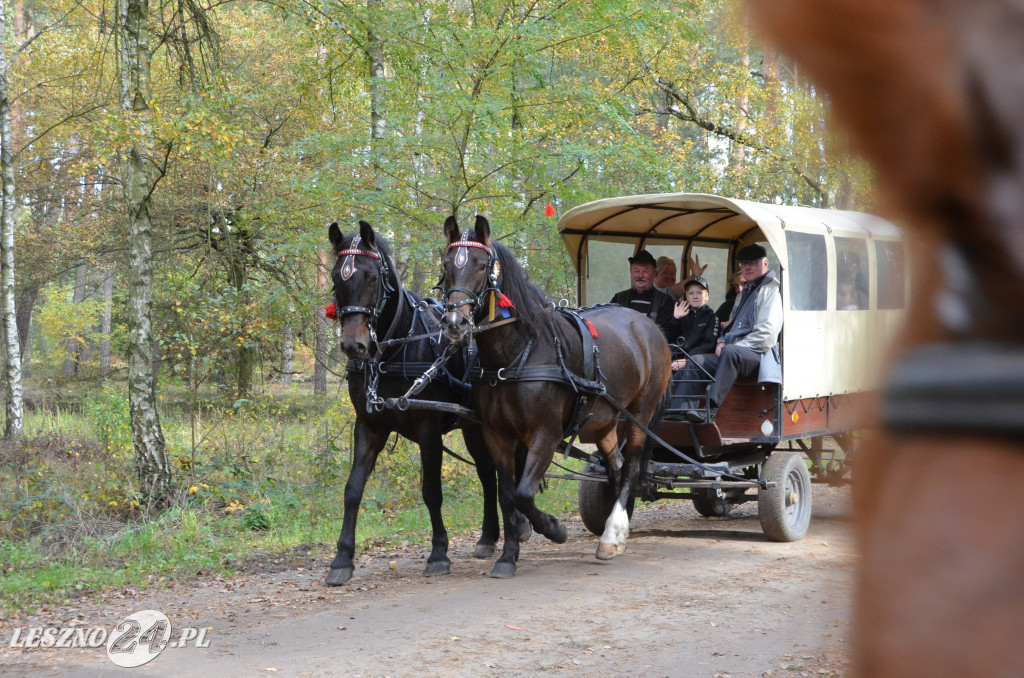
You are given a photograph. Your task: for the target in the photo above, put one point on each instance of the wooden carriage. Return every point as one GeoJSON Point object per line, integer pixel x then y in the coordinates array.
{"type": "Point", "coordinates": [844, 286]}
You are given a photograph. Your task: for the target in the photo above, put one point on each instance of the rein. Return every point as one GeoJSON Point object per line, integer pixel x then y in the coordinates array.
{"type": "Point", "coordinates": [589, 389]}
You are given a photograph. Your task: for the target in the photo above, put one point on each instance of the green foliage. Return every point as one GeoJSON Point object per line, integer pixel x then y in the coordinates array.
{"type": "Point", "coordinates": [61, 319]}
{"type": "Point", "coordinates": [107, 412]}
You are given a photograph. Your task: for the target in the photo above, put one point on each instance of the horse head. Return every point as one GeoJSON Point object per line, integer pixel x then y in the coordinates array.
{"type": "Point", "coordinates": [470, 272]}
{"type": "Point", "coordinates": [361, 287]}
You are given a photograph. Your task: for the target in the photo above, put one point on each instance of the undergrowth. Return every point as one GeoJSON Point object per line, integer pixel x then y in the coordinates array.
{"type": "Point", "coordinates": [254, 476]}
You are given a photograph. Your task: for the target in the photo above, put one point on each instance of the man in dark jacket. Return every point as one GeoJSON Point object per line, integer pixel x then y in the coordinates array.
{"type": "Point", "coordinates": [749, 349]}
{"type": "Point", "coordinates": [642, 297]}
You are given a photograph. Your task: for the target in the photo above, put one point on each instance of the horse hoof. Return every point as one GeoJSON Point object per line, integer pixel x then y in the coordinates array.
{"type": "Point", "coordinates": [607, 551]}
{"type": "Point", "coordinates": [620, 548]}
{"type": "Point", "coordinates": [437, 568]}
{"type": "Point", "coordinates": [560, 534]}
{"type": "Point", "coordinates": [484, 551]}
{"type": "Point", "coordinates": [339, 575]}
{"type": "Point", "coordinates": [525, 530]}
{"type": "Point", "coordinates": [503, 570]}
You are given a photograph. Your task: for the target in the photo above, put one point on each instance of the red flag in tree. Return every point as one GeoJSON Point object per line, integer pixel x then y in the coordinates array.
{"type": "Point", "coordinates": [549, 211]}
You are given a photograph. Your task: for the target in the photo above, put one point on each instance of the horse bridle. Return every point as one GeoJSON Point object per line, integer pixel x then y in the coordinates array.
{"type": "Point", "coordinates": [473, 297]}
{"type": "Point", "coordinates": [384, 288]}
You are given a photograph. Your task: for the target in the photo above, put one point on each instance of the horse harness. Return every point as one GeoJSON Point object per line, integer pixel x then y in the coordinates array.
{"type": "Point", "coordinates": [969, 385]}
{"type": "Point", "coordinates": [588, 388]}
{"type": "Point", "coordinates": [396, 365]}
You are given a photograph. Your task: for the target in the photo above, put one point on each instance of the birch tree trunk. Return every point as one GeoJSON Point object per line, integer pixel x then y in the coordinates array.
{"type": "Point", "coordinates": [140, 178]}
{"type": "Point", "coordinates": [378, 75]}
{"type": "Point", "coordinates": [12, 350]}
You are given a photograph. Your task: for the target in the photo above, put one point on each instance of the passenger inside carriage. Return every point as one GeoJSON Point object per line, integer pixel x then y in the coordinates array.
{"type": "Point", "coordinates": [748, 350]}
{"type": "Point", "coordinates": [694, 326]}
{"type": "Point", "coordinates": [849, 298]}
{"type": "Point", "coordinates": [642, 296]}
{"type": "Point", "coordinates": [725, 310]}
{"type": "Point", "coordinates": [665, 275]}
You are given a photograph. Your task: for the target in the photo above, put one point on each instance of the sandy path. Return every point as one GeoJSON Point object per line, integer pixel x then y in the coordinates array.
{"type": "Point", "coordinates": [692, 597]}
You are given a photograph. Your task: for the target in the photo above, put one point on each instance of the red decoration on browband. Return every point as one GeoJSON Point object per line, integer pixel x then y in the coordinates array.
{"type": "Point", "coordinates": [331, 311]}
{"type": "Point", "coordinates": [350, 252]}
{"type": "Point", "coordinates": [348, 267]}
{"type": "Point", "coordinates": [461, 257]}
{"type": "Point", "coordinates": [470, 243]}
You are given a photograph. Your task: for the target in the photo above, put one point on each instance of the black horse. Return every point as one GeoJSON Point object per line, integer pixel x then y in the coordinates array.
{"type": "Point", "coordinates": [370, 300]}
{"type": "Point", "coordinates": [549, 373]}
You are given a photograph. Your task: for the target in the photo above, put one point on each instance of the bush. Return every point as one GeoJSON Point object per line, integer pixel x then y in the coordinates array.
{"type": "Point", "coordinates": [108, 414]}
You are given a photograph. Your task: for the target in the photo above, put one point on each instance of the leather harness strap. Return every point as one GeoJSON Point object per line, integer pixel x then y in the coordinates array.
{"type": "Point", "coordinates": [974, 388]}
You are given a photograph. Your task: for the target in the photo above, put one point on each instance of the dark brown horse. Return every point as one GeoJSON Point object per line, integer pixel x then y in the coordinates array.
{"type": "Point", "coordinates": [373, 307]}
{"type": "Point", "coordinates": [931, 92]}
{"type": "Point", "coordinates": [525, 396]}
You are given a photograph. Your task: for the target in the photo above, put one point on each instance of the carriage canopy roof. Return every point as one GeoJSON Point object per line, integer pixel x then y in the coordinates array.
{"type": "Point", "coordinates": [707, 217]}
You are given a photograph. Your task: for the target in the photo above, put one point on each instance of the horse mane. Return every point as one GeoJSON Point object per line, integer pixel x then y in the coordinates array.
{"type": "Point", "coordinates": [532, 303]}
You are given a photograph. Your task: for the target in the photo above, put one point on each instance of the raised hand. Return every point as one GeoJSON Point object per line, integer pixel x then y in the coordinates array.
{"type": "Point", "coordinates": [695, 267]}
{"type": "Point", "coordinates": [681, 309]}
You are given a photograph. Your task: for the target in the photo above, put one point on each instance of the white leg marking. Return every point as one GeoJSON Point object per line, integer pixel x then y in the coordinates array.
{"type": "Point", "coordinates": [616, 528]}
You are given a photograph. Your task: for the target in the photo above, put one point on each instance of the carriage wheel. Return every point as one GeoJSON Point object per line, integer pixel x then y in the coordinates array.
{"type": "Point", "coordinates": [785, 509]}
{"type": "Point", "coordinates": [710, 505]}
{"type": "Point", "coordinates": [596, 501]}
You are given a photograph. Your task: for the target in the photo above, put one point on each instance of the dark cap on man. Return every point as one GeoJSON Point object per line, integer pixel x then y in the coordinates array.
{"type": "Point", "coordinates": [753, 252]}
{"type": "Point", "coordinates": [643, 257]}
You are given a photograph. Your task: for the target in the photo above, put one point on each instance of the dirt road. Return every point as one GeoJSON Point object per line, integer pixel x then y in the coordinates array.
{"type": "Point", "coordinates": [691, 597]}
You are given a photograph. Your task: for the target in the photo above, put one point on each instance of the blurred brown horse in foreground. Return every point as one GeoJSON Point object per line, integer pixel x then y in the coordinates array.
{"type": "Point", "coordinates": [932, 93]}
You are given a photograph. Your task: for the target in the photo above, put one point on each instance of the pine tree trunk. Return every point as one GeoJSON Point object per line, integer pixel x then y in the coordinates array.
{"type": "Point", "coordinates": [288, 352]}
{"type": "Point", "coordinates": [8, 214]}
{"type": "Point", "coordinates": [245, 358]}
{"type": "Point", "coordinates": [141, 175]}
{"type": "Point", "coordinates": [26, 306]}
{"type": "Point", "coordinates": [770, 64]}
{"type": "Point", "coordinates": [320, 349]}
{"type": "Point", "coordinates": [108, 296]}
{"type": "Point", "coordinates": [74, 345]}
{"type": "Point", "coordinates": [26, 354]}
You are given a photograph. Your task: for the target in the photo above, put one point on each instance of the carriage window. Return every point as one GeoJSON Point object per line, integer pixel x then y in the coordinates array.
{"type": "Point", "coordinates": [807, 274]}
{"type": "Point", "coordinates": [717, 273]}
{"type": "Point", "coordinates": [607, 269]}
{"type": "Point", "coordinates": [851, 274]}
{"type": "Point", "coordinates": [892, 280]}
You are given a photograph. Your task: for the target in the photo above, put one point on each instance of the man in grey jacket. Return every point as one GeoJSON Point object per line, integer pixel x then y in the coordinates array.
{"type": "Point", "coordinates": [749, 350]}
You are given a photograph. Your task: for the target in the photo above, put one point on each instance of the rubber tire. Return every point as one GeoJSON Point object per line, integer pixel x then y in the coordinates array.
{"type": "Point", "coordinates": [782, 518]}
{"type": "Point", "coordinates": [711, 506]}
{"type": "Point", "coordinates": [596, 502]}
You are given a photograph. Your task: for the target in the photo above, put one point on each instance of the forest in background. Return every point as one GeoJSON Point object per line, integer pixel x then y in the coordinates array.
{"type": "Point", "coordinates": [207, 145]}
